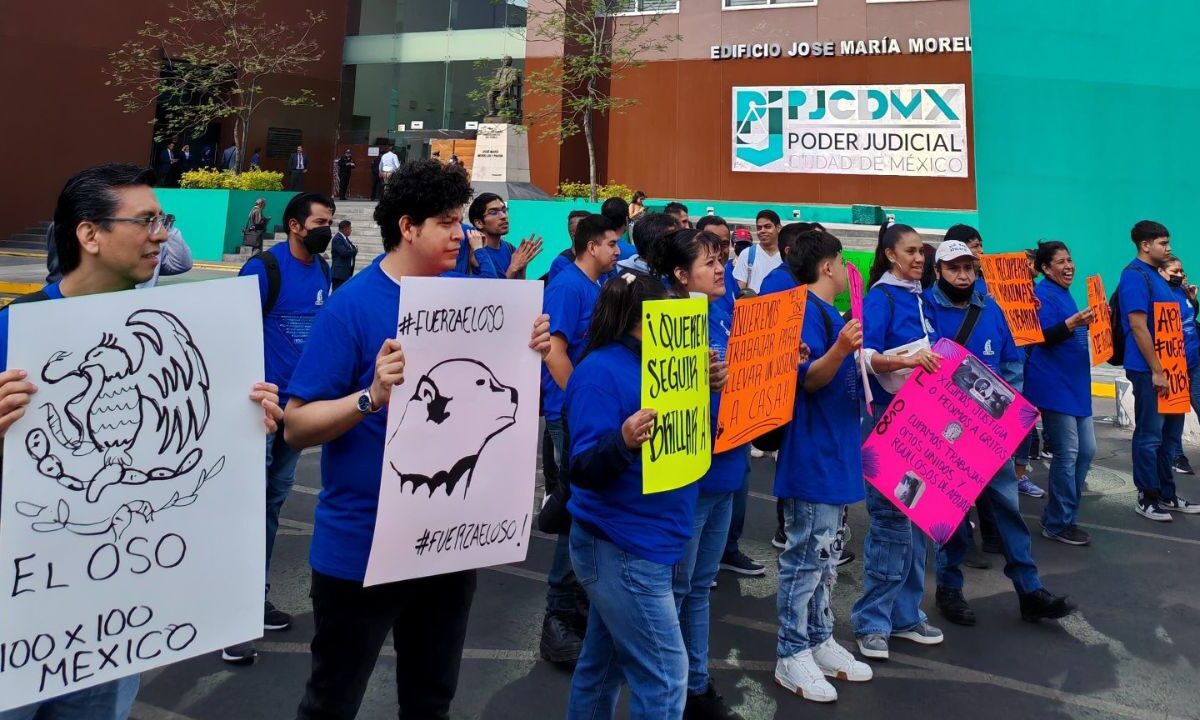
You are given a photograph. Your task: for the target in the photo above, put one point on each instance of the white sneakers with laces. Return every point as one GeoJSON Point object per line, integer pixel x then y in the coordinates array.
{"type": "Point", "coordinates": [804, 673]}
{"type": "Point", "coordinates": [837, 662]}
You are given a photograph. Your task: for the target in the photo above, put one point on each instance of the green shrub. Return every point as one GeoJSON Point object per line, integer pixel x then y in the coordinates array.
{"type": "Point", "coordinates": [204, 179]}
{"type": "Point", "coordinates": [603, 192]}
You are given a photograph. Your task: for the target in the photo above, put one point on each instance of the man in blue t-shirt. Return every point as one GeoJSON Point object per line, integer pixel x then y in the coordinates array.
{"type": "Point", "coordinates": [293, 283]}
{"type": "Point", "coordinates": [716, 225]}
{"type": "Point", "coordinates": [568, 300]}
{"type": "Point", "coordinates": [489, 215]}
{"type": "Point", "coordinates": [566, 257]}
{"type": "Point", "coordinates": [954, 305]}
{"type": "Point", "coordinates": [1139, 289]}
{"type": "Point", "coordinates": [650, 228]}
{"type": "Point", "coordinates": [616, 211]}
{"type": "Point", "coordinates": [339, 397]}
{"type": "Point", "coordinates": [109, 231]}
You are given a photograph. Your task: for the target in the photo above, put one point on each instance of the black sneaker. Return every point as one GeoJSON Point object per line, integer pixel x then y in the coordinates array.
{"type": "Point", "coordinates": [1041, 604]}
{"type": "Point", "coordinates": [1179, 505]}
{"type": "Point", "coordinates": [954, 607]}
{"type": "Point", "coordinates": [845, 558]}
{"type": "Point", "coordinates": [275, 619]}
{"type": "Point", "coordinates": [740, 563]}
{"type": "Point", "coordinates": [560, 644]}
{"type": "Point", "coordinates": [1151, 511]}
{"type": "Point", "coordinates": [1070, 536]}
{"type": "Point", "coordinates": [240, 654]}
{"type": "Point", "coordinates": [1183, 467]}
{"type": "Point", "coordinates": [708, 706]}
{"type": "Point", "coordinates": [779, 542]}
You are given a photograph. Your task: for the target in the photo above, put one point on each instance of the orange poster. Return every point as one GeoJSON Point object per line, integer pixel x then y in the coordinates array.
{"type": "Point", "coordinates": [1100, 329]}
{"type": "Point", "coordinates": [1011, 284]}
{"type": "Point", "coordinates": [763, 354]}
{"type": "Point", "coordinates": [1169, 346]}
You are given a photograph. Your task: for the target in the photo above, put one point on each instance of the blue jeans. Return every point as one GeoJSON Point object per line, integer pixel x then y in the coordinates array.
{"type": "Point", "coordinates": [1154, 437]}
{"type": "Point", "coordinates": [737, 519]}
{"type": "Point", "coordinates": [1025, 451]}
{"type": "Point", "coordinates": [693, 581]}
{"type": "Point", "coordinates": [561, 582]}
{"type": "Point", "coordinates": [1074, 440]}
{"type": "Point", "coordinates": [1014, 538]}
{"type": "Point", "coordinates": [807, 573]}
{"type": "Point", "coordinates": [281, 475]}
{"type": "Point", "coordinates": [112, 700]}
{"type": "Point", "coordinates": [633, 635]}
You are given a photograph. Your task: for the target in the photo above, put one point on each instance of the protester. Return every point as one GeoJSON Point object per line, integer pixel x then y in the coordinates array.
{"type": "Point", "coordinates": [818, 474]}
{"type": "Point", "coordinates": [896, 339]}
{"type": "Point", "coordinates": [678, 211]}
{"type": "Point", "coordinates": [339, 399]}
{"type": "Point", "coordinates": [757, 261]}
{"type": "Point", "coordinates": [569, 300]}
{"type": "Point", "coordinates": [1153, 450]}
{"type": "Point", "coordinates": [109, 232]}
{"type": "Point", "coordinates": [616, 211]}
{"type": "Point", "coordinates": [783, 278]}
{"type": "Point", "coordinates": [742, 239]}
{"type": "Point", "coordinates": [1058, 381]}
{"type": "Point", "coordinates": [489, 215]}
{"type": "Point", "coordinates": [717, 226]}
{"type": "Point", "coordinates": [344, 252]}
{"type": "Point", "coordinates": [1172, 272]}
{"type": "Point", "coordinates": [566, 257]}
{"type": "Point", "coordinates": [624, 544]}
{"type": "Point", "coordinates": [691, 260]}
{"type": "Point", "coordinates": [174, 256]}
{"type": "Point", "coordinates": [293, 284]}
{"type": "Point", "coordinates": [647, 232]}
{"type": "Point", "coordinates": [978, 324]}
{"type": "Point", "coordinates": [970, 237]}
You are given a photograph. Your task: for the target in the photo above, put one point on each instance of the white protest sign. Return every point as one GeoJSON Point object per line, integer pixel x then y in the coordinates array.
{"type": "Point", "coordinates": [131, 517]}
{"type": "Point", "coordinates": [458, 467]}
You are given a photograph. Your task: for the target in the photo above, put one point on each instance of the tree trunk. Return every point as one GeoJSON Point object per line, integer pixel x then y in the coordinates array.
{"type": "Point", "coordinates": [591, 146]}
{"type": "Point", "coordinates": [239, 132]}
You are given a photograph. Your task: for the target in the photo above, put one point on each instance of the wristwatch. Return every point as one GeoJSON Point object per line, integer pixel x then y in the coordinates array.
{"type": "Point", "coordinates": [365, 405]}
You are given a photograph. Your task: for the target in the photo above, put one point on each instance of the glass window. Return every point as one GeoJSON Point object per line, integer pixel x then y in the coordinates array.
{"type": "Point", "coordinates": [384, 17]}
{"type": "Point", "coordinates": [644, 6]}
{"type": "Point", "coordinates": [765, 3]}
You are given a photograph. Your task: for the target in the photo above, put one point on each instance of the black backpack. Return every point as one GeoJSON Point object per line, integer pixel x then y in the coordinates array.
{"type": "Point", "coordinates": [1114, 319]}
{"type": "Point", "coordinates": [275, 278]}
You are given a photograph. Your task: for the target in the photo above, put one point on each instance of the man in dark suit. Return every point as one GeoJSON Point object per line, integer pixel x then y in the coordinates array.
{"type": "Point", "coordinates": [344, 251]}
{"type": "Point", "coordinates": [168, 161]}
{"type": "Point", "coordinates": [229, 158]}
{"type": "Point", "coordinates": [297, 166]}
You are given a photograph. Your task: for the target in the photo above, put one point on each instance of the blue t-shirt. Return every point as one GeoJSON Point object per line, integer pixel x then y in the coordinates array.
{"type": "Point", "coordinates": [728, 470]}
{"type": "Point", "coordinates": [560, 263]}
{"type": "Point", "coordinates": [568, 300]}
{"type": "Point", "coordinates": [888, 324]}
{"type": "Point", "coordinates": [627, 248]}
{"type": "Point", "coordinates": [1191, 340]}
{"type": "Point", "coordinates": [778, 280]}
{"type": "Point", "coordinates": [500, 257]}
{"type": "Point", "coordinates": [1140, 287]}
{"type": "Point", "coordinates": [339, 361]}
{"type": "Point", "coordinates": [303, 289]}
{"type": "Point", "coordinates": [991, 341]}
{"type": "Point", "coordinates": [53, 292]}
{"type": "Point", "coordinates": [1059, 377]}
{"type": "Point", "coordinates": [603, 392]}
{"type": "Point", "coordinates": [981, 285]}
{"type": "Point", "coordinates": [820, 458]}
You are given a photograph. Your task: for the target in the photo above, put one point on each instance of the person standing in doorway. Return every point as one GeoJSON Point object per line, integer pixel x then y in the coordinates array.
{"type": "Point", "coordinates": [345, 165]}
{"type": "Point", "coordinates": [297, 167]}
{"type": "Point", "coordinates": [344, 252]}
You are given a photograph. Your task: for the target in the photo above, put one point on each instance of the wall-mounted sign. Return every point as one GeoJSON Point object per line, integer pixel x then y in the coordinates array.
{"type": "Point", "coordinates": [418, 124]}
{"type": "Point", "coordinates": [909, 130]}
{"type": "Point", "coordinates": [400, 127]}
{"type": "Point", "coordinates": [831, 48]}
{"type": "Point", "coordinates": [472, 125]}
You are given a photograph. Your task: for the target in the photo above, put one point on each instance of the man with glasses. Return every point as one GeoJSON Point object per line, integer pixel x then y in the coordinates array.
{"type": "Point", "coordinates": [489, 215]}
{"type": "Point", "coordinates": [174, 257]}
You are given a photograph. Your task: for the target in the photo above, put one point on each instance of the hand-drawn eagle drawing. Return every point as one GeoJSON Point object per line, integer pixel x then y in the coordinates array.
{"type": "Point", "coordinates": [151, 361]}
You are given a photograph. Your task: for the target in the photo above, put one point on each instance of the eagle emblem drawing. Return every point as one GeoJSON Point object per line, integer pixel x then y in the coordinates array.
{"type": "Point", "coordinates": [142, 397]}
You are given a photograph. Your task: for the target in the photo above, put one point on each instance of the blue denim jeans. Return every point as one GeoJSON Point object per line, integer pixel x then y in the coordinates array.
{"type": "Point", "coordinates": [1014, 538]}
{"type": "Point", "coordinates": [694, 575]}
{"type": "Point", "coordinates": [633, 635]}
{"type": "Point", "coordinates": [737, 518]}
{"type": "Point", "coordinates": [112, 700]}
{"type": "Point", "coordinates": [1154, 438]}
{"type": "Point", "coordinates": [1074, 440]}
{"type": "Point", "coordinates": [807, 573]}
{"type": "Point", "coordinates": [1025, 451]}
{"type": "Point", "coordinates": [281, 475]}
{"type": "Point", "coordinates": [561, 585]}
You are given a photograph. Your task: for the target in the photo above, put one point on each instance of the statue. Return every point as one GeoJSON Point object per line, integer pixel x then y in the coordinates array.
{"type": "Point", "coordinates": [504, 97]}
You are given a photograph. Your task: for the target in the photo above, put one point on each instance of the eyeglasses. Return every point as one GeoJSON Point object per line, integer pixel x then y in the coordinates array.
{"type": "Point", "coordinates": [155, 224]}
{"type": "Point", "coordinates": [496, 212]}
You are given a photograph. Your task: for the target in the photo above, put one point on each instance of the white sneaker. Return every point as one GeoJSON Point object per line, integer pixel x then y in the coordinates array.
{"type": "Point", "coordinates": [755, 452]}
{"type": "Point", "coordinates": [837, 662]}
{"type": "Point", "coordinates": [799, 674]}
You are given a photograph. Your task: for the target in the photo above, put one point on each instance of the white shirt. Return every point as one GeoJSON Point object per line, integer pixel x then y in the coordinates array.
{"type": "Point", "coordinates": [764, 263]}
{"type": "Point", "coordinates": [389, 163]}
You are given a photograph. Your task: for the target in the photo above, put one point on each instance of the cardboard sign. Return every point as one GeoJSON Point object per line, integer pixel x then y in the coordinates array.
{"type": "Point", "coordinates": [675, 383]}
{"type": "Point", "coordinates": [131, 522]}
{"type": "Point", "coordinates": [1100, 329]}
{"type": "Point", "coordinates": [763, 355]}
{"type": "Point", "coordinates": [458, 466]}
{"type": "Point", "coordinates": [943, 437]}
{"type": "Point", "coordinates": [855, 281]}
{"type": "Point", "coordinates": [1010, 283]}
{"type": "Point", "coordinates": [1172, 353]}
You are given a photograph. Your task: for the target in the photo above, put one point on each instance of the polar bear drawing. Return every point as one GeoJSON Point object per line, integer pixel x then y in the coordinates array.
{"type": "Point", "coordinates": [454, 412]}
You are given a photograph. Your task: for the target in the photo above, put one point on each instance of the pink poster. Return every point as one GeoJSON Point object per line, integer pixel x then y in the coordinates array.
{"type": "Point", "coordinates": [856, 313]}
{"type": "Point", "coordinates": [943, 437]}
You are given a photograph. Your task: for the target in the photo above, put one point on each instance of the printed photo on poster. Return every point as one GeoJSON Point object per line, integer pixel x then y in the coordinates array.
{"type": "Point", "coordinates": [1010, 282]}
{"type": "Point", "coordinates": [126, 494]}
{"type": "Point", "coordinates": [458, 474]}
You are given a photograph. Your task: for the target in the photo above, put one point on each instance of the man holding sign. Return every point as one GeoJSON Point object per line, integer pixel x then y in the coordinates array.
{"type": "Point", "coordinates": [1141, 287]}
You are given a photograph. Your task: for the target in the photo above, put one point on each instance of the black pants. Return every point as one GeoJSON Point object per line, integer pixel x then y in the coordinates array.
{"type": "Point", "coordinates": [428, 621]}
{"type": "Point", "coordinates": [343, 185]}
{"type": "Point", "coordinates": [337, 282]}
{"type": "Point", "coordinates": [296, 181]}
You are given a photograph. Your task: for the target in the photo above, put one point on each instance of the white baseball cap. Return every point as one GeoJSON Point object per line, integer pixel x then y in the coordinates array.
{"type": "Point", "coordinates": [952, 250]}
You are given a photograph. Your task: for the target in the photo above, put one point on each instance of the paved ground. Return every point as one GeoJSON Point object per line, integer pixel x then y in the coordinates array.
{"type": "Point", "coordinates": [1132, 652]}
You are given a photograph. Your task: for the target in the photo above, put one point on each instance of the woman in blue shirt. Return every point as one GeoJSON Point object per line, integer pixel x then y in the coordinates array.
{"type": "Point", "coordinates": [691, 262]}
{"type": "Point", "coordinates": [624, 544]}
{"type": "Point", "coordinates": [1058, 380]}
{"type": "Point", "coordinates": [1172, 272]}
{"type": "Point", "coordinates": [896, 338]}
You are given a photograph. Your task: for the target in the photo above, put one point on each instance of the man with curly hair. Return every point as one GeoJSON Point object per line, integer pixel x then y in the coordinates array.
{"type": "Point", "coordinates": [339, 398]}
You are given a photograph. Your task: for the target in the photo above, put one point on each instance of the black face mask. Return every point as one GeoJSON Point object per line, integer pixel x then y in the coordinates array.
{"type": "Point", "coordinates": [955, 293]}
{"type": "Point", "coordinates": [318, 239]}
{"type": "Point", "coordinates": [1175, 281]}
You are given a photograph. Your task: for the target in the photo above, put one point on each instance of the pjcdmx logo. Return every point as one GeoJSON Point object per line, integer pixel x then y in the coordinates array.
{"type": "Point", "coordinates": [758, 126]}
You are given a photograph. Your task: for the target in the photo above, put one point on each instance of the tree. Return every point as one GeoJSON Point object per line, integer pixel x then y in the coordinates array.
{"type": "Point", "coordinates": [598, 47]}
{"type": "Point", "coordinates": [209, 62]}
